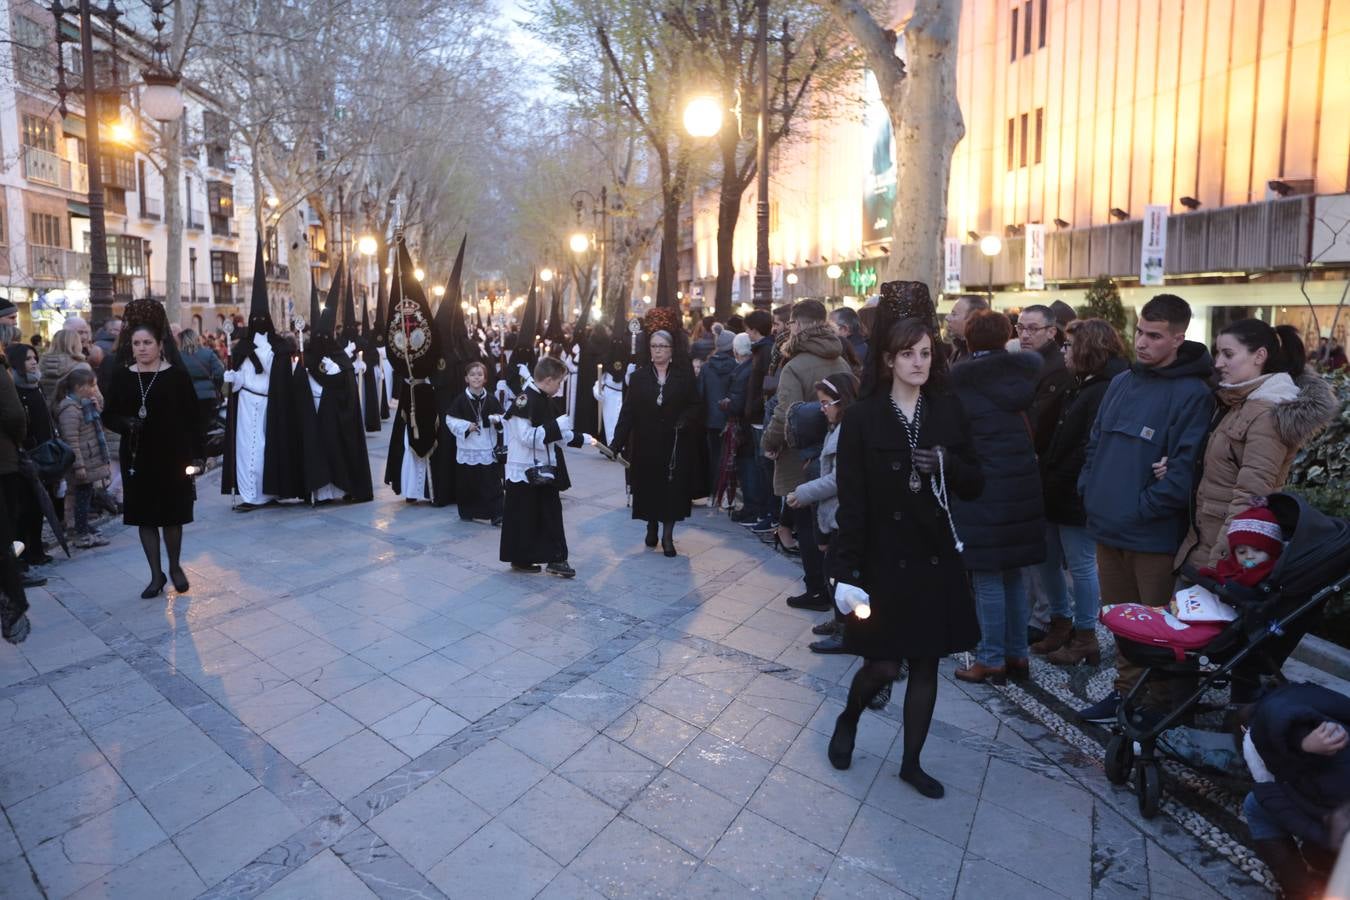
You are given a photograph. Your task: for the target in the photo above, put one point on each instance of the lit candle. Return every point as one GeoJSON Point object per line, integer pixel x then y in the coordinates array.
{"type": "Point", "coordinates": [863, 611]}
{"type": "Point", "coordinates": [193, 470]}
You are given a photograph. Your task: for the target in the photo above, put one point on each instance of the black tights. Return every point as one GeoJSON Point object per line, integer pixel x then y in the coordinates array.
{"type": "Point", "coordinates": [173, 543]}
{"type": "Point", "coordinates": [920, 698]}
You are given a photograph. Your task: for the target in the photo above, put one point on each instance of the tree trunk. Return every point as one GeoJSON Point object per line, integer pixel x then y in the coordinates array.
{"type": "Point", "coordinates": [173, 219]}
{"type": "Point", "coordinates": [728, 213]}
{"type": "Point", "coordinates": [291, 235]}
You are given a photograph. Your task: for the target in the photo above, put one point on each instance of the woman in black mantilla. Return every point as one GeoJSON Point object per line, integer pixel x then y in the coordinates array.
{"type": "Point", "coordinates": [902, 449]}
{"type": "Point", "coordinates": [657, 430]}
{"type": "Point", "coordinates": [152, 404]}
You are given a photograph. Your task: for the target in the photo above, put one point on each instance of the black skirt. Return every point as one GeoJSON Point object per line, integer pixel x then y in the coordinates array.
{"type": "Point", "coordinates": [532, 525]}
{"type": "Point", "coordinates": [479, 491]}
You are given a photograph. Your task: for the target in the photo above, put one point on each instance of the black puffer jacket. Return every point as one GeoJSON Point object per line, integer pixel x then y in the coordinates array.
{"type": "Point", "coordinates": [1307, 786]}
{"type": "Point", "coordinates": [1005, 527]}
{"type": "Point", "coordinates": [1063, 458]}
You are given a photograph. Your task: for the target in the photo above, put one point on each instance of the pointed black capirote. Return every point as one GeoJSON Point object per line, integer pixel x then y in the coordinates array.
{"type": "Point", "coordinates": [314, 310]}
{"type": "Point", "coordinates": [529, 321]}
{"type": "Point", "coordinates": [328, 318]}
{"type": "Point", "coordinates": [554, 333]}
{"type": "Point", "coordinates": [259, 311]}
{"type": "Point", "coordinates": [664, 296]}
{"type": "Point", "coordinates": [450, 328]}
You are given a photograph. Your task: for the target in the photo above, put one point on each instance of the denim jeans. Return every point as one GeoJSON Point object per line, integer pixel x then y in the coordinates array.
{"type": "Point", "coordinates": [755, 480]}
{"type": "Point", "coordinates": [84, 495]}
{"type": "Point", "coordinates": [1259, 822]}
{"type": "Point", "coordinates": [813, 558]}
{"type": "Point", "coordinates": [1001, 606]}
{"type": "Point", "coordinates": [1068, 546]}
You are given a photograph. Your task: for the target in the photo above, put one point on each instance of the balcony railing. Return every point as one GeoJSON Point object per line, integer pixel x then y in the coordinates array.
{"type": "Point", "coordinates": [152, 208]}
{"type": "Point", "coordinates": [42, 166]}
{"type": "Point", "coordinates": [75, 177]}
{"type": "Point", "coordinates": [57, 264]}
{"type": "Point", "coordinates": [36, 68]}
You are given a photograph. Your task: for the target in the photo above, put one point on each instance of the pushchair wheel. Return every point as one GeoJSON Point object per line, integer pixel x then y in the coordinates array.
{"type": "Point", "coordinates": [1148, 788]}
{"type": "Point", "coordinates": [1119, 759]}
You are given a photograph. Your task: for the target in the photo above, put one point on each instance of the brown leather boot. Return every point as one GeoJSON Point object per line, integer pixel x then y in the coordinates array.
{"type": "Point", "coordinates": [1081, 648]}
{"type": "Point", "coordinates": [979, 673]}
{"type": "Point", "coordinates": [1056, 636]}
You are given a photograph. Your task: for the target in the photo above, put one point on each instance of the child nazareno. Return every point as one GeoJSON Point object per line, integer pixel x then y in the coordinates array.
{"type": "Point", "coordinates": [536, 474]}
{"type": "Point", "coordinates": [81, 427]}
{"type": "Point", "coordinates": [478, 483]}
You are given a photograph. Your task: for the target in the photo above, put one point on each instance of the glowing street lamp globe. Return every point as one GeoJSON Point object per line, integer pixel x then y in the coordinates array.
{"type": "Point", "coordinates": [546, 275]}
{"type": "Point", "coordinates": [703, 116]}
{"type": "Point", "coordinates": [990, 245]}
{"type": "Point", "coordinates": [833, 271]}
{"type": "Point", "coordinates": [366, 245]}
{"type": "Point", "coordinates": [438, 290]}
{"type": "Point", "coordinates": [419, 273]}
{"type": "Point", "coordinates": [579, 243]}
{"type": "Point", "coordinates": [792, 278]}
{"type": "Point", "coordinates": [161, 98]}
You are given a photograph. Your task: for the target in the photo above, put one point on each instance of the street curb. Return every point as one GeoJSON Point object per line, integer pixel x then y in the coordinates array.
{"type": "Point", "coordinates": [1323, 654]}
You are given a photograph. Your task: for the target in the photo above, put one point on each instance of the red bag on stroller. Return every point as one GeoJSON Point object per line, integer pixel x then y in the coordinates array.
{"type": "Point", "coordinates": [1158, 627]}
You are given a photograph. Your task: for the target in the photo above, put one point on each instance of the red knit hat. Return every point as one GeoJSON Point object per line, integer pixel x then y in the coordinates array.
{"type": "Point", "coordinates": [1256, 527]}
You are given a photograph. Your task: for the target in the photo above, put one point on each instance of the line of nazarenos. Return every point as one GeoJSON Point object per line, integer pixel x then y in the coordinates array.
{"type": "Point", "coordinates": [414, 354]}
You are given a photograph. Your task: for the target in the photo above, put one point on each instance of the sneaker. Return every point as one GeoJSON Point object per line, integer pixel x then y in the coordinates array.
{"type": "Point", "coordinates": [816, 602]}
{"type": "Point", "coordinates": [524, 567]}
{"type": "Point", "coordinates": [833, 643]}
{"type": "Point", "coordinates": [31, 579]}
{"type": "Point", "coordinates": [829, 626]}
{"type": "Point", "coordinates": [17, 630]}
{"type": "Point", "coordinates": [765, 525]}
{"type": "Point", "coordinates": [880, 699]}
{"type": "Point", "coordinates": [741, 517]}
{"type": "Point", "coordinates": [84, 541]}
{"type": "Point", "coordinates": [561, 569]}
{"type": "Point", "coordinates": [1103, 712]}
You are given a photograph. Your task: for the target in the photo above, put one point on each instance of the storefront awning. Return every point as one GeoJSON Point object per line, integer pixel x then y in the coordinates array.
{"type": "Point", "coordinates": [77, 208]}
{"type": "Point", "coordinates": [73, 126]}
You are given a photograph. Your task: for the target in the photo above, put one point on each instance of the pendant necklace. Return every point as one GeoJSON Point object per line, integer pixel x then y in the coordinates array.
{"type": "Point", "coordinates": [660, 386]}
{"type": "Point", "coordinates": [145, 390]}
{"type": "Point", "coordinates": [912, 436]}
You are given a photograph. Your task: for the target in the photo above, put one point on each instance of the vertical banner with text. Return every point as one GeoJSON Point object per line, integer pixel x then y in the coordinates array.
{"type": "Point", "coordinates": [1033, 275]}
{"type": "Point", "coordinates": [1153, 247]}
{"type": "Point", "coordinates": [951, 266]}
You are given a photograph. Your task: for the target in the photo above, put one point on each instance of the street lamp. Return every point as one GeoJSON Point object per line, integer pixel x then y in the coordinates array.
{"type": "Point", "coordinates": [545, 274]}
{"type": "Point", "coordinates": [366, 245]}
{"type": "Point", "coordinates": [991, 245]}
{"type": "Point", "coordinates": [438, 291]}
{"type": "Point", "coordinates": [419, 273]}
{"type": "Point", "coordinates": [579, 243]}
{"type": "Point", "coordinates": [703, 116]}
{"type": "Point", "coordinates": [832, 272]}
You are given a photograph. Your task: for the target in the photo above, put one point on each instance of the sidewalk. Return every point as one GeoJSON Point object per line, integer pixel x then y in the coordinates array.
{"type": "Point", "coordinates": [360, 701]}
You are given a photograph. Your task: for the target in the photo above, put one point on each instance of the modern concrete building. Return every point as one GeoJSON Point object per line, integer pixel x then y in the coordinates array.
{"type": "Point", "coordinates": [1230, 115]}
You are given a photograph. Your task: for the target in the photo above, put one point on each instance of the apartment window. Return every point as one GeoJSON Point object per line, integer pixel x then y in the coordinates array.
{"type": "Point", "coordinates": [39, 132]}
{"type": "Point", "coordinates": [1014, 32]}
{"type": "Point", "coordinates": [1026, 28]}
{"type": "Point", "coordinates": [1022, 30]}
{"type": "Point", "coordinates": [220, 206]}
{"type": "Point", "coordinates": [1040, 26]}
{"type": "Point", "coordinates": [126, 255]}
{"type": "Point", "coordinates": [4, 228]}
{"type": "Point", "coordinates": [1040, 124]}
{"type": "Point", "coordinates": [1022, 143]}
{"type": "Point", "coordinates": [44, 230]}
{"type": "Point", "coordinates": [193, 221]}
{"type": "Point", "coordinates": [32, 57]}
{"type": "Point", "coordinates": [119, 169]}
{"type": "Point", "coordinates": [1011, 144]}
{"type": "Point", "coordinates": [216, 135]}
{"type": "Point", "coordinates": [224, 275]}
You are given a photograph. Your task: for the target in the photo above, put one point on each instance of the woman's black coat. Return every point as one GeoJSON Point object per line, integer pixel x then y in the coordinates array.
{"type": "Point", "coordinates": [896, 544]}
{"type": "Point", "coordinates": [1004, 528]}
{"type": "Point", "coordinates": [653, 436]}
{"type": "Point", "coordinates": [1063, 458]}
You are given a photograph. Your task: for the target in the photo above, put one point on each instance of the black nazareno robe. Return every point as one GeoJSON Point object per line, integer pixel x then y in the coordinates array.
{"type": "Point", "coordinates": [532, 523]}
{"type": "Point", "coordinates": [333, 438]}
{"type": "Point", "coordinates": [365, 348]}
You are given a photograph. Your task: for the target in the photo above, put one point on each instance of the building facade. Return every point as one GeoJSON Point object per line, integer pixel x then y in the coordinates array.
{"type": "Point", "coordinates": [1226, 117]}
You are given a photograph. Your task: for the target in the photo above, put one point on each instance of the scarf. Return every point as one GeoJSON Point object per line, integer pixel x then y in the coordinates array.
{"type": "Point", "coordinates": [90, 416]}
{"type": "Point", "coordinates": [1230, 571]}
{"type": "Point", "coordinates": [25, 380]}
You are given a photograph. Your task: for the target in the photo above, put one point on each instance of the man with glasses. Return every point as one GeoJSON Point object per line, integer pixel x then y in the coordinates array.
{"type": "Point", "coordinates": [1038, 332]}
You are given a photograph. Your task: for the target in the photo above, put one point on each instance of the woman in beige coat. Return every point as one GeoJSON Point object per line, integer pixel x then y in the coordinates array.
{"type": "Point", "coordinates": [1269, 407]}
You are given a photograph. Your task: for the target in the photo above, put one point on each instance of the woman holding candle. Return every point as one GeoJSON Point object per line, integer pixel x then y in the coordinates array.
{"type": "Point", "coordinates": [902, 450]}
{"type": "Point", "coordinates": [152, 404]}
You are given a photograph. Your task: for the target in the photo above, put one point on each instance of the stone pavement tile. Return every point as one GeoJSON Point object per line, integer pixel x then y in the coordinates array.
{"type": "Point", "coordinates": [476, 695]}
{"type": "Point", "coordinates": [176, 752]}
{"type": "Point", "coordinates": [689, 700]}
{"type": "Point", "coordinates": [902, 855]}
{"type": "Point", "coordinates": [93, 849]}
{"type": "Point", "coordinates": [592, 703]}
{"type": "Point", "coordinates": [22, 778]}
{"type": "Point", "coordinates": [19, 880]}
{"type": "Point", "coordinates": [49, 649]}
{"type": "Point", "coordinates": [965, 714]}
{"type": "Point", "coordinates": [350, 767]}
{"type": "Point", "coordinates": [428, 823]}
{"type": "Point", "coordinates": [125, 698]}
{"type": "Point", "coordinates": [701, 623]}
{"type": "Point", "coordinates": [657, 735]}
{"type": "Point", "coordinates": [762, 733]}
{"type": "Point", "coordinates": [710, 881]}
{"type": "Point", "coordinates": [65, 806]}
{"type": "Point", "coordinates": [496, 862]}
{"type": "Point", "coordinates": [757, 643]}
{"type": "Point", "coordinates": [949, 819]}
{"type": "Point", "coordinates": [477, 650]}
{"type": "Point", "coordinates": [233, 686]}
{"type": "Point", "coordinates": [494, 775]}
{"type": "Point", "coordinates": [392, 652]}
{"type": "Point", "coordinates": [794, 702]}
{"type": "Point", "coordinates": [805, 807]}
{"type": "Point", "coordinates": [338, 677]}
{"type": "Point", "coordinates": [980, 879]}
{"type": "Point", "coordinates": [808, 756]}
{"type": "Point", "coordinates": [609, 770]}
{"type": "Point", "coordinates": [876, 734]}
{"type": "Point", "coordinates": [14, 668]}
{"type": "Point", "coordinates": [1040, 854]}
{"type": "Point", "coordinates": [275, 707]}
{"type": "Point", "coordinates": [628, 860]}
{"type": "Point", "coordinates": [566, 886]}
{"type": "Point", "coordinates": [629, 676]}
{"type": "Point", "coordinates": [1170, 880]}
{"type": "Point", "coordinates": [253, 622]}
{"type": "Point", "coordinates": [848, 880]}
{"type": "Point", "coordinates": [25, 704]}
{"type": "Point", "coordinates": [783, 621]}
{"type": "Point", "coordinates": [519, 671]}
{"type": "Point", "coordinates": [304, 657]}
{"type": "Point", "coordinates": [161, 873]}
{"type": "Point", "coordinates": [417, 728]}
{"type": "Point", "coordinates": [376, 699]}
{"type": "Point", "coordinates": [683, 812]}
{"type": "Point", "coordinates": [37, 733]}
{"type": "Point", "coordinates": [324, 876]}
{"type": "Point", "coordinates": [955, 765]}
{"type": "Point", "coordinates": [86, 681]}
{"type": "Point", "coordinates": [829, 666]}
{"type": "Point", "coordinates": [1120, 867]}
{"type": "Point", "coordinates": [666, 656]}
{"type": "Point", "coordinates": [230, 838]}
{"type": "Point", "coordinates": [354, 637]}
{"type": "Point", "coordinates": [274, 640]}
{"type": "Point", "coordinates": [312, 732]}
{"type": "Point", "coordinates": [726, 769]}
{"type": "Point", "coordinates": [196, 793]}
{"type": "Point", "coordinates": [9, 842]}
{"type": "Point", "coordinates": [1061, 805]}
{"type": "Point", "coordinates": [768, 859]}
{"type": "Point", "coordinates": [431, 675]}
{"type": "Point", "coordinates": [548, 736]}
{"type": "Point", "coordinates": [557, 817]}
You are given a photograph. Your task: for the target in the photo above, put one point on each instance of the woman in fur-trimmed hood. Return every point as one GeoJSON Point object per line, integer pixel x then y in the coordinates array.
{"type": "Point", "coordinates": [1269, 406]}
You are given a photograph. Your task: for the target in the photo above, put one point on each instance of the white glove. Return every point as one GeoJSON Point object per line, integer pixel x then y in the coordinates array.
{"type": "Point", "coordinates": [495, 418]}
{"type": "Point", "coordinates": [329, 367]}
{"type": "Point", "coordinates": [231, 376]}
{"type": "Point", "coordinates": [595, 390]}
{"type": "Point", "coordinates": [359, 367]}
{"type": "Point", "coordinates": [850, 597]}
{"type": "Point", "coordinates": [565, 423]}
{"type": "Point", "coordinates": [350, 349]}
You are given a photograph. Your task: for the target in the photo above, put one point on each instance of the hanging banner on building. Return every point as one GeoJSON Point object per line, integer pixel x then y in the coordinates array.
{"type": "Point", "coordinates": [777, 281]}
{"type": "Point", "coordinates": [1153, 248]}
{"type": "Point", "coordinates": [1033, 275]}
{"type": "Point", "coordinates": [879, 162]}
{"type": "Point", "coordinates": [951, 266]}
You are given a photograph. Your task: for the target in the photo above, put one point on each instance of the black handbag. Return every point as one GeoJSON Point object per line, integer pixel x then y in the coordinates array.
{"type": "Point", "coordinates": [53, 458]}
{"type": "Point", "coordinates": [541, 475]}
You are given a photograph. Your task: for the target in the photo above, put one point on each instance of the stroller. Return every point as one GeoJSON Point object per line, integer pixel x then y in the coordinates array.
{"type": "Point", "coordinates": [1272, 619]}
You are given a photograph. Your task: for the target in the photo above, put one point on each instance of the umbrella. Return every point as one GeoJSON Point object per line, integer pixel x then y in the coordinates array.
{"type": "Point", "coordinates": [44, 500]}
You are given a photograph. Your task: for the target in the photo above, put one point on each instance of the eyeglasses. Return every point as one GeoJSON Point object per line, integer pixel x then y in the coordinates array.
{"type": "Point", "coordinates": [660, 346]}
{"type": "Point", "coordinates": [1032, 329]}
{"type": "Point", "coordinates": [826, 404]}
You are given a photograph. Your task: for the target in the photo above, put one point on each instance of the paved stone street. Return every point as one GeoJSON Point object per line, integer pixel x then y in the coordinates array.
{"type": "Point", "coordinates": [361, 701]}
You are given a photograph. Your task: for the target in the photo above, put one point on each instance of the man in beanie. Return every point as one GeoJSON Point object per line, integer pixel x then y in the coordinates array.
{"type": "Point", "coordinates": [9, 313]}
{"type": "Point", "coordinates": [714, 385]}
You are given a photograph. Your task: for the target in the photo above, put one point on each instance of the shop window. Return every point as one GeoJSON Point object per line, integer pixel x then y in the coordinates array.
{"type": "Point", "coordinates": [39, 132]}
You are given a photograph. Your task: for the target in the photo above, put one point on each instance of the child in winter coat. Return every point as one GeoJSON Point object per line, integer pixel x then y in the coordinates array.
{"type": "Point", "coordinates": [81, 427]}
{"type": "Point", "coordinates": [836, 393]}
